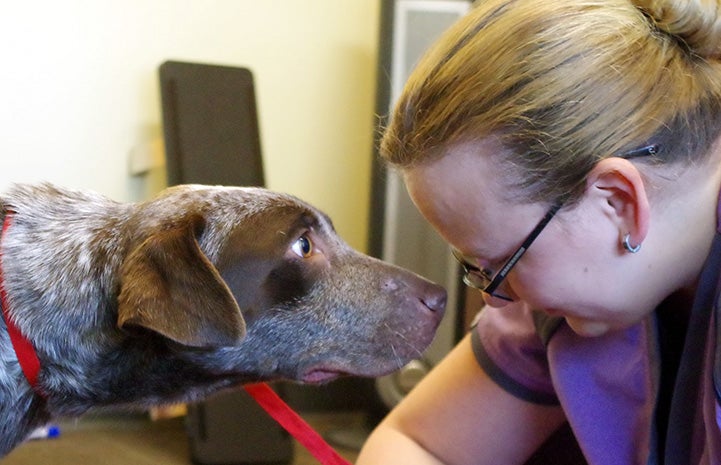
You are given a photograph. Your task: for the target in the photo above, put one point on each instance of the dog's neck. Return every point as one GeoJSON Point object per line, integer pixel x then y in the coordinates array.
{"type": "Point", "coordinates": [24, 349]}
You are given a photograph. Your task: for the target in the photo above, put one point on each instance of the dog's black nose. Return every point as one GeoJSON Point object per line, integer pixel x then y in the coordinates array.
{"type": "Point", "coordinates": [435, 299]}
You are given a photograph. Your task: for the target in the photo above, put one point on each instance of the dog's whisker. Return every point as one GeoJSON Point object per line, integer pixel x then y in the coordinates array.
{"type": "Point", "coordinates": [402, 338]}
{"type": "Point", "coordinates": [399, 361]}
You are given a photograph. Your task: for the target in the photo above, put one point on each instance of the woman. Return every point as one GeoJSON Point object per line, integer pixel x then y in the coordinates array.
{"type": "Point", "coordinates": [569, 153]}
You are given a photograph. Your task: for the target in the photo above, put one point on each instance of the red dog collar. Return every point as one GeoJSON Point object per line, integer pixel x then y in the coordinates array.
{"type": "Point", "coordinates": [24, 350]}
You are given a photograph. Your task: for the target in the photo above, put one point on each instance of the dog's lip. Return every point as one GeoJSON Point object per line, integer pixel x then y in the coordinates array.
{"type": "Point", "coordinates": [320, 374]}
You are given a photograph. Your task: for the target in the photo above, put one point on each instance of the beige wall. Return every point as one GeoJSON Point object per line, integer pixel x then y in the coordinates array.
{"type": "Point", "coordinates": [78, 90]}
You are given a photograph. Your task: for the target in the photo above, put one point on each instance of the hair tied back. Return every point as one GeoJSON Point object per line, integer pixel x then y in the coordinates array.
{"type": "Point", "coordinates": [695, 24]}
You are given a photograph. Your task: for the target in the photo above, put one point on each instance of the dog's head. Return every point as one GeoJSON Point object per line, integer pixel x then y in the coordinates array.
{"type": "Point", "coordinates": [263, 278]}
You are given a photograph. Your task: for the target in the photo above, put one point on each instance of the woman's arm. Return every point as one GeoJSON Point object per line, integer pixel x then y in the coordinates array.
{"type": "Point", "coordinates": [458, 415]}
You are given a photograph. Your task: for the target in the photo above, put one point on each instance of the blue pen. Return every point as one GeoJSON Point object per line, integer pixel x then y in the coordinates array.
{"type": "Point", "coordinates": [46, 432]}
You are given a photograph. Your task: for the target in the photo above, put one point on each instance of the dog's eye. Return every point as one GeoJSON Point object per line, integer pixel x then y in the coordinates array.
{"type": "Point", "coordinates": [303, 247]}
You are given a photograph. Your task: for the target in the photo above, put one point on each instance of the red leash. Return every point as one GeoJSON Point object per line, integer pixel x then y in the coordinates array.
{"type": "Point", "coordinates": [294, 424]}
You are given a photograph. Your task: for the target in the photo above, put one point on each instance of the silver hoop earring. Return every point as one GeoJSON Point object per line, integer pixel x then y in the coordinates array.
{"type": "Point", "coordinates": [627, 244]}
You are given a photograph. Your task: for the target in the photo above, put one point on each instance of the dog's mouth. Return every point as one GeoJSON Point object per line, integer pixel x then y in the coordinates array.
{"type": "Point", "coordinates": [321, 375]}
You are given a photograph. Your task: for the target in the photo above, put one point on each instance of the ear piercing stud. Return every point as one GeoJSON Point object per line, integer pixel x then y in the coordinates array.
{"type": "Point", "coordinates": [626, 242]}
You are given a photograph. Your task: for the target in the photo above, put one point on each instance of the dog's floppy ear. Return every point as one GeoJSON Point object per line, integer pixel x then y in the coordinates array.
{"type": "Point", "coordinates": [169, 286]}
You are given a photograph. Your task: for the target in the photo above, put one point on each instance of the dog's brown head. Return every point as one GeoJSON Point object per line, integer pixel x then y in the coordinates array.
{"type": "Point", "coordinates": [197, 290]}
{"type": "Point", "coordinates": [205, 262]}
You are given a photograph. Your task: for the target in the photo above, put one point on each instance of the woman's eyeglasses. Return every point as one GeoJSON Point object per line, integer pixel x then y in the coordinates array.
{"type": "Point", "coordinates": [488, 281]}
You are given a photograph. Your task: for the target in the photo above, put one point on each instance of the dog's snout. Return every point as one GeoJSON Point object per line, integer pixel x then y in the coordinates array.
{"type": "Point", "coordinates": [390, 284]}
{"type": "Point", "coordinates": [432, 296]}
{"type": "Point", "coordinates": [435, 299]}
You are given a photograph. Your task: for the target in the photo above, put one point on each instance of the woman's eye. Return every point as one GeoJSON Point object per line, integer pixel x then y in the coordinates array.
{"type": "Point", "coordinates": [303, 247]}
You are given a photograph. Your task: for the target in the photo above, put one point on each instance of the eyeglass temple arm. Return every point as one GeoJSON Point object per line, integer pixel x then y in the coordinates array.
{"type": "Point", "coordinates": [500, 276]}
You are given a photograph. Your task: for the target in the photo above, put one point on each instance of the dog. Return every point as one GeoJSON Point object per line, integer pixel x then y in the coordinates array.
{"type": "Point", "coordinates": [200, 289]}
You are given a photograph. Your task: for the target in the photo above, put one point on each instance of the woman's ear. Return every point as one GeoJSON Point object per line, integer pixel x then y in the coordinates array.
{"type": "Point", "coordinates": [618, 183]}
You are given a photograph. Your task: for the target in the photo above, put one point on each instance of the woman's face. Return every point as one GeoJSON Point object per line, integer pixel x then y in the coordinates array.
{"type": "Point", "coordinates": [573, 269]}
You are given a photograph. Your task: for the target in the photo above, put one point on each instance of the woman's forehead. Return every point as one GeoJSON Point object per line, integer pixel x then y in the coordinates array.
{"type": "Point", "coordinates": [468, 169]}
{"type": "Point", "coordinates": [462, 195]}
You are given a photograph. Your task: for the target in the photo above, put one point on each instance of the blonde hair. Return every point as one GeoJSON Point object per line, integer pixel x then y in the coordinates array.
{"type": "Point", "coordinates": [565, 83]}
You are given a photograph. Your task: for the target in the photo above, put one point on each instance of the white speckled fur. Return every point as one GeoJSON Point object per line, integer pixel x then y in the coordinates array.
{"type": "Point", "coordinates": [85, 274]}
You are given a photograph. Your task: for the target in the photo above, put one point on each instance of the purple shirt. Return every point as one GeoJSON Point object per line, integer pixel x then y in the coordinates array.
{"type": "Point", "coordinates": [609, 386]}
